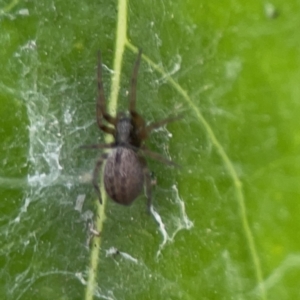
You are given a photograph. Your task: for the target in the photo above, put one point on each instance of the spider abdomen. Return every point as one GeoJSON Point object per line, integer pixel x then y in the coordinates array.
{"type": "Point", "coordinates": [123, 175]}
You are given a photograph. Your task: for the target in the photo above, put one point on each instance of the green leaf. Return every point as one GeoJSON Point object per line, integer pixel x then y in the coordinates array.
{"type": "Point", "coordinates": [224, 224]}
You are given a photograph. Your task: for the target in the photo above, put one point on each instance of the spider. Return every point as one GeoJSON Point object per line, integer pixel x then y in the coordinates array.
{"type": "Point", "coordinates": [125, 171]}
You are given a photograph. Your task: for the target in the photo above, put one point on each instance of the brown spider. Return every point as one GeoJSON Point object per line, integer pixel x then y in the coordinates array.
{"type": "Point", "coordinates": [126, 169]}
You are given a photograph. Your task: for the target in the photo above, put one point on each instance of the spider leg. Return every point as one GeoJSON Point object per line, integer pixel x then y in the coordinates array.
{"type": "Point", "coordinates": [157, 156]}
{"type": "Point", "coordinates": [161, 123]}
{"type": "Point", "coordinates": [106, 129]}
{"type": "Point", "coordinates": [132, 91]}
{"type": "Point", "coordinates": [97, 146]}
{"type": "Point", "coordinates": [96, 173]}
{"type": "Point", "coordinates": [100, 105]}
{"type": "Point", "coordinates": [139, 123]}
{"type": "Point", "coordinates": [137, 120]}
{"type": "Point", "coordinates": [148, 186]}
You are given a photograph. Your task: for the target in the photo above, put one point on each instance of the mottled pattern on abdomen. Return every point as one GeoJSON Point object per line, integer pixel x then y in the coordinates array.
{"type": "Point", "coordinates": [123, 175]}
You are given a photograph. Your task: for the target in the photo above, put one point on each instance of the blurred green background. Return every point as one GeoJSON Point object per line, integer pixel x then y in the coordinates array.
{"type": "Point", "coordinates": [239, 64]}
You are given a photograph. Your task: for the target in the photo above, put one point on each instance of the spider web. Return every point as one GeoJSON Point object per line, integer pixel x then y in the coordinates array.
{"type": "Point", "coordinates": [47, 235]}
{"type": "Point", "coordinates": [193, 243]}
